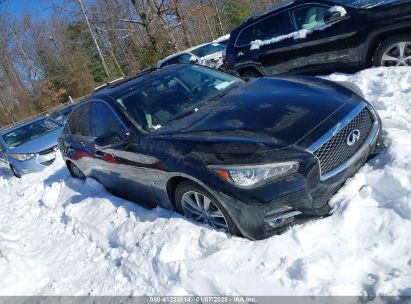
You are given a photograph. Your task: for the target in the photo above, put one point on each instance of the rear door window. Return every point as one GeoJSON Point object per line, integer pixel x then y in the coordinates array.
{"type": "Point", "coordinates": [273, 27]}
{"type": "Point", "coordinates": [79, 121]}
{"type": "Point", "coordinates": [104, 121]}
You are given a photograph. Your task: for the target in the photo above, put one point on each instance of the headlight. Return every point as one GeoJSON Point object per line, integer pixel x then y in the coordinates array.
{"type": "Point", "coordinates": [250, 176]}
{"type": "Point", "coordinates": [22, 157]}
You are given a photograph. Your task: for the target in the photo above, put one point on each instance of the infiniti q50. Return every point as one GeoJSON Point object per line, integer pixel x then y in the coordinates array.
{"type": "Point", "coordinates": [247, 156]}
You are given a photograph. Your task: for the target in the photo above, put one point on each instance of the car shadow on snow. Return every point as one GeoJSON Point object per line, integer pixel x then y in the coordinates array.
{"type": "Point", "coordinates": [93, 189]}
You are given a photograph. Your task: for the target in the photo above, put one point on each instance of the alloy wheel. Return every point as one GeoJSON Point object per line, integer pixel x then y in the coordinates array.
{"type": "Point", "coordinates": [398, 54]}
{"type": "Point", "coordinates": [199, 207]}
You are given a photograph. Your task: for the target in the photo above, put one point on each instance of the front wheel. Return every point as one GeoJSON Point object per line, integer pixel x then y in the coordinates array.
{"type": "Point", "coordinates": [395, 51]}
{"type": "Point", "coordinates": [198, 204]}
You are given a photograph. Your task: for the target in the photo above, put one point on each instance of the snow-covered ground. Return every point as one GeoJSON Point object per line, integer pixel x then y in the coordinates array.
{"type": "Point", "coordinates": [63, 236]}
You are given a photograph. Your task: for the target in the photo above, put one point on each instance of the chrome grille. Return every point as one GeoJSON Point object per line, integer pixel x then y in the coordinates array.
{"type": "Point", "coordinates": [336, 151]}
{"type": "Point", "coordinates": [49, 150]}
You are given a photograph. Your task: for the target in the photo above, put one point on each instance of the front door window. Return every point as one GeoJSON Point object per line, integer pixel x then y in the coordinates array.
{"type": "Point", "coordinates": [310, 17]}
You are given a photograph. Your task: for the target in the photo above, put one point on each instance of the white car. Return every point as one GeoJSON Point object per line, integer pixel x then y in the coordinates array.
{"type": "Point", "coordinates": [209, 54]}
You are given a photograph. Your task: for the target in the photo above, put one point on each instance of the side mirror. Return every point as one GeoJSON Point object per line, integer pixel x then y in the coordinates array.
{"type": "Point", "coordinates": [336, 13]}
{"type": "Point", "coordinates": [109, 140]}
{"type": "Point", "coordinates": [193, 59]}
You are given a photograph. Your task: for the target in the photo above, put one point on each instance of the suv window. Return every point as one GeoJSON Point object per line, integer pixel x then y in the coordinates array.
{"type": "Point", "coordinates": [272, 27]}
{"type": "Point", "coordinates": [246, 36]}
{"type": "Point", "coordinates": [79, 121]}
{"type": "Point", "coordinates": [103, 120]}
{"type": "Point", "coordinates": [309, 17]}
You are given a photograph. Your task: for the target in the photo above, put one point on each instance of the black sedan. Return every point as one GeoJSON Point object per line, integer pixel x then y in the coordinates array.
{"type": "Point", "coordinates": [247, 156]}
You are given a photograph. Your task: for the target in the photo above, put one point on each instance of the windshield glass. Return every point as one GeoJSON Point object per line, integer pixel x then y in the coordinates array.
{"type": "Point", "coordinates": [176, 94]}
{"type": "Point", "coordinates": [30, 131]}
{"type": "Point", "coordinates": [208, 49]}
{"type": "Point", "coordinates": [358, 3]}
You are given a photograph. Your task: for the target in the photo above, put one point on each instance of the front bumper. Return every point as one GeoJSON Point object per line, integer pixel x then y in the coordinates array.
{"type": "Point", "coordinates": [269, 210]}
{"type": "Point", "coordinates": [35, 164]}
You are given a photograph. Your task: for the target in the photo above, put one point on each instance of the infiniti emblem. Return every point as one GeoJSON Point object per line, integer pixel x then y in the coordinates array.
{"type": "Point", "coordinates": [353, 137]}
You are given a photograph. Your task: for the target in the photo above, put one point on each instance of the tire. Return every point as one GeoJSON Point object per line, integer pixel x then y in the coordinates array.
{"type": "Point", "coordinates": [188, 189]}
{"type": "Point", "coordinates": [15, 171]}
{"type": "Point", "coordinates": [352, 87]}
{"type": "Point", "coordinates": [251, 73]}
{"type": "Point", "coordinates": [75, 171]}
{"type": "Point", "coordinates": [391, 47]}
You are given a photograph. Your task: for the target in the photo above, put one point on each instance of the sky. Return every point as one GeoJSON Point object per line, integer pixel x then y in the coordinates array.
{"type": "Point", "coordinates": [38, 8]}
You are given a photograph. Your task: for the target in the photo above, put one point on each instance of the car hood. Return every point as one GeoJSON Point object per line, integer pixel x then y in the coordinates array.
{"type": "Point", "coordinates": [39, 144]}
{"type": "Point", "coordinates": [275, 111]}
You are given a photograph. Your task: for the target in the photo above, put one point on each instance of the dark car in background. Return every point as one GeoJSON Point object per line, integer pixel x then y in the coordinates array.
{"type": "Point", "coordinates": [62, 113]}
{"type": "Point", "coordinates": [247, 156]}
{"type": "Point", "coordinates": [318, 36]}
{"type": "Point", "coordinates": [29, 146]}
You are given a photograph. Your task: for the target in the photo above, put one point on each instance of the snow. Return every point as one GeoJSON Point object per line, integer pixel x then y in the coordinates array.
{"type": "Point", "coordinates": [61, 236]}
{"type": "Point", "coordinates": [256, 44]}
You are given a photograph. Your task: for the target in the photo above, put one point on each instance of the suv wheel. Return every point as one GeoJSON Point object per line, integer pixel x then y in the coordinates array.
{"type": "Point", "coordinates": [15, 172]}
{"type": "Point", "coordinates": [196, 203]}
{"type": "Point", "coordinates": [395, 51]}
{"type": "Point", "coordinates": [75, 171]}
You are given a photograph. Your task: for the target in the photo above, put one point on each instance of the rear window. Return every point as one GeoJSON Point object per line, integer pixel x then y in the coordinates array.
{"type": "Point", "coordinates": [30, 132]}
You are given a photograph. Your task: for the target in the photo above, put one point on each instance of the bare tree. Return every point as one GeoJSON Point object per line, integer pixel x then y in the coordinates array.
{"type": "Point", "coordinates": [103, 61]}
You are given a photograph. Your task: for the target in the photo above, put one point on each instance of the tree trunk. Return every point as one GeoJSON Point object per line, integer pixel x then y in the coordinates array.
{"type": "Point", "coordinates": [83, 11]}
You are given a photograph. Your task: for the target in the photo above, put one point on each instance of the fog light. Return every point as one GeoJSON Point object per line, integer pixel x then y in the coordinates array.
{"type": "Point", "coordinates": [281, 219]}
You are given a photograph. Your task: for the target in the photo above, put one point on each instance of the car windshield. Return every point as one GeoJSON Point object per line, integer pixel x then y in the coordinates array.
{"type": "Point", "coordinates": [30, 131]}
{"type": "Point", "coordinates": [208, 49]}
{"type": "Point", "coordinates": [173, 95]}
{"type": "Point", "coordinates": [358, 3]}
